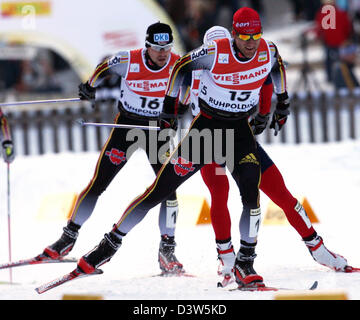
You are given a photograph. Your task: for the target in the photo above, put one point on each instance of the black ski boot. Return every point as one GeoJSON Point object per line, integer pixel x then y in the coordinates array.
{"type": "Point", "coordinates": [168, 262]}
{"type": "Point", "coordinates": [101, 254]}
{"type": "Point", "coordinates": [64, 245]}
{"type": "Point", "coordinates": [244, 272]}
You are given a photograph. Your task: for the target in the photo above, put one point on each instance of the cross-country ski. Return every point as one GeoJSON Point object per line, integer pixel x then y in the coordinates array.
{"type": "Point", "coordinates": [263, 288]}
{"type": "Point", "coordinates": [75, 274]}
{"type": "Point", "coordinates": [40, 259]}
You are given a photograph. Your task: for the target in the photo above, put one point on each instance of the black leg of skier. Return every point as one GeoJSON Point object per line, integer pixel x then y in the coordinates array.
{"type": "Point", "coordinates": [112, 159]}
{"type": "Point", "coordinates": [178, 168]}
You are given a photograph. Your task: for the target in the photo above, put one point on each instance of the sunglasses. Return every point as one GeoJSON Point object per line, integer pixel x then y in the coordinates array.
{"type": "Point", "coordinates": [246, 37]}
{"type": "Point", "coordinates": [159, 48]}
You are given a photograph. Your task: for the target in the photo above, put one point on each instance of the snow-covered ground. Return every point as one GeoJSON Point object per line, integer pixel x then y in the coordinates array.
{"type": "Point", "coordinates": [327, 175]}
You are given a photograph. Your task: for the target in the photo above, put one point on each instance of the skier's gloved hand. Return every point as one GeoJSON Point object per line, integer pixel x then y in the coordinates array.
{"type": "Point", "coordinates": [7, 151]}
{"type": "Point", "coordinates": [182, 108]}
{"type": "Point", "coordinates": [281, 112]}
{"type": "Point", "coordinates": [259, 122]}
{"type": "Point", "coordinates": [167, 118]}
{"type": "Point", "coordinates": [86, 92]}
{"type": "Point", "coordinates": [167, 121]}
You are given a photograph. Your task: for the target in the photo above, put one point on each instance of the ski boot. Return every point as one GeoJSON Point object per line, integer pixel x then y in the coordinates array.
{"type": "Point", "coordinates": [245, 275]}
{"type": "Point", "coordinates": [325, 257]}
{"type": "Point", "coordinates": [64, 245]}
{"type": "Point", "coordinates": [101, 254]}
{"type": "Point", "coordinates": [168, 262]}
{"type": "Point", "coordinates": [226, 257]}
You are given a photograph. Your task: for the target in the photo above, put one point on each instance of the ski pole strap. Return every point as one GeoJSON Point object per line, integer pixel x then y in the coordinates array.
{"type": "Point", "coordinates": [114, 125]}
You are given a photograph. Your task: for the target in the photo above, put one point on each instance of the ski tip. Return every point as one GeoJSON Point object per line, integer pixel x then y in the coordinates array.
{"type": "Point", "coordinates": [38, 290]}
{"type": "Point", "coordinates": [314, 285]}
{"type": "Point", "coordinates": [219, 285]}
{"type": "Point", "coordinates": [42, 289]}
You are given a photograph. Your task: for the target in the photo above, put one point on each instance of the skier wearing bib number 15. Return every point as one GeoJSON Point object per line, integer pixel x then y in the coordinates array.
{"type": "Point", "coordinates": [272, 184]}
{"type": "Point", "coordinates": [144, 74]}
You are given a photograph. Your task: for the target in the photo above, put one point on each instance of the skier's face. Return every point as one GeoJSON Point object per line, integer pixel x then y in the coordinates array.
{"type": "Point", "coordinates": [247, 47]}
{"type": "Point", "coordinates": [159, 57]}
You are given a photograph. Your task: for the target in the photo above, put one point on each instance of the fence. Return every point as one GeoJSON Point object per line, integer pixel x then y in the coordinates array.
{"type": "Point", "coordinates": [315, 118]}
{"type": "Point", "coordinates": [320, 117]}
{"type": "Point", "coordinates": [55, 130]}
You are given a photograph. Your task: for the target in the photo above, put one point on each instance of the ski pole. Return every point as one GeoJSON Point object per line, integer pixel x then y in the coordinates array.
{"type": "Point", "coordinates": [8, 211]}
{"type": "Point", "coordinates": [114, 125]}
{"type": "Point", "coordinates": [19, 103]}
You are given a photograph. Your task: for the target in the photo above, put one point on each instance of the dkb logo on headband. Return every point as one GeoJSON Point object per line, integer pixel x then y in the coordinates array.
{"type": "Point", "coordinates": [161, 37]}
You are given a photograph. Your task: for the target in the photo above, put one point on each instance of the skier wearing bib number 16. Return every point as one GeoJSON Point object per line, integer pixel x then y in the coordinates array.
{"type": "Point", "coordinates": [144, 74]}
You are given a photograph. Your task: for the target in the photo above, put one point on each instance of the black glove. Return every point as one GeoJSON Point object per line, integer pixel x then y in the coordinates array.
{"type": "Point", "coordinates": [167, 121]}
{"type": "Point", "coordinates": [182, 108]}
{"type": "Point", "coordinates": [86, 92]}
{"type": "Point", "coordinates": [167, 118]}
{"type": "Point", "coordinates": [7, 151]}
{"type": "Point", "coordinates": [281, 112]}
{"type": "Point", "coordinates": [259, 122]}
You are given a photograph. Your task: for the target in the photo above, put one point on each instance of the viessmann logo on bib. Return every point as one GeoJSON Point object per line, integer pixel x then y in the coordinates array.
{"type": "Point", "coordinates": [241, 77]}
{"type": "Point", "coordinates": [148, 85]}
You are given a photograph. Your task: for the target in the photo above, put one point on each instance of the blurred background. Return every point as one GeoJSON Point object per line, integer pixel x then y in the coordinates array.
{"type": "Point", "coordinates": [48, 47]}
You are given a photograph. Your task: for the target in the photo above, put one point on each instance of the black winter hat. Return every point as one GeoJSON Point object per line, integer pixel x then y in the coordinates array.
{"type": "Point", "coordinates": [159, 34]}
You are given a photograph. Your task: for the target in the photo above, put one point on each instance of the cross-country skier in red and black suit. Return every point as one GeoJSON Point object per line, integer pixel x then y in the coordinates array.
{"type": "Point", "coordinates": [144, 74]}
